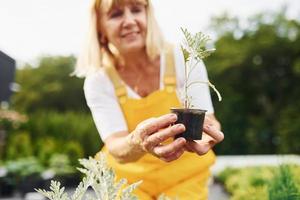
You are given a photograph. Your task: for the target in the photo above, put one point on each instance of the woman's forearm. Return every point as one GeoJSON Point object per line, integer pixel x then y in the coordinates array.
{"type": "Point", "coordinates": [124, 148]}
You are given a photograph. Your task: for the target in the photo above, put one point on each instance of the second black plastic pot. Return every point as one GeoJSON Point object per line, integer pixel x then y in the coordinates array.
{"type": "Point", "coordinates": [193, 121]}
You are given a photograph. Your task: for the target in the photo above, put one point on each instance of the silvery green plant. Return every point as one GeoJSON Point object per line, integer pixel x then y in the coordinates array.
{"type": "Point", "coordinates": [194, 51]}
{"type": "Point", "coordinates": [101, 179]}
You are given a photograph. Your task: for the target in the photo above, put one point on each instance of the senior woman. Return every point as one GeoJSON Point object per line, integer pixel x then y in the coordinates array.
{"type": "Point", "coordinates": [132, 79]}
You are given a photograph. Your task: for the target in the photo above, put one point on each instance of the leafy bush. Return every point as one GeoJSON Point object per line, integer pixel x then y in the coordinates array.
{"type": "Point", "coordinates": [47, 133]}
{"type": "Point", "coordinates": [24, 167]}
{"type": "Point", "coordinates": [74, 151]}
{"type": "Point", "coordinates": [19, 146]}
{"type": "Point", "coordinates": [262, 183]}
{"type": "Point", "coordinates": [61, 127]}
{"type": "Point", "coordinates": [44, 148]}
{"type": "Point", "coordinates": [60, 164]}
{"type": "Point", "coordinates": [9, 122]}
{"type": "Point", "coordinates": [283, 185]}
{"type": "Point", "coordinates": [288, 128]}
{"type": "Point", "coordinates": [251, 193]}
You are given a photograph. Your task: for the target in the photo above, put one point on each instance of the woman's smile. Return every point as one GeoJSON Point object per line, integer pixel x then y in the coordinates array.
{"type": "Point", "coordinates": [130, 36]}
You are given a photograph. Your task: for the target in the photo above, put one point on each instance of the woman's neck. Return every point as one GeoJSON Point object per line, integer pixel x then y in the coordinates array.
{"type": "Point", "coordinates": [136, 61]}
{"type": "Point", "coordinates": [140, 73]}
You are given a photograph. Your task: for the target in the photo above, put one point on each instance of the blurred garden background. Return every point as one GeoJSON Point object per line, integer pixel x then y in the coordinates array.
{"type": "Point", "coordinates": [256, 66]}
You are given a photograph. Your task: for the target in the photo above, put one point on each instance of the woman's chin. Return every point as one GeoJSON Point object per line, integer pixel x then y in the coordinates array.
{"type": "Point", "coordinates": [133, 48]}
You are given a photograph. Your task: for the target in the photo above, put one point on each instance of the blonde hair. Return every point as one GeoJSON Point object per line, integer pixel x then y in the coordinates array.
{"type": "Point", "coordinates": [94, 55]}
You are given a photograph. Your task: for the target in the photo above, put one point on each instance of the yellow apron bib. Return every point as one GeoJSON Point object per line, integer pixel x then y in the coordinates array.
{"type": "Point", "coordinates": [186, 177]}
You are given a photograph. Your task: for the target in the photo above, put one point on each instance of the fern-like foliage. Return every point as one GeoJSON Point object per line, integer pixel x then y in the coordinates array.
{"type": "Point", "coordinates": [100, 178]}
{"type": "Point", "coordinates": [194, 51]}
{"type": "Point", "coordinates": [195, 45]}
{"type": "Point", "coordinates": [127, 192]}
{"type": "Point", "coordinates": [56, 193]}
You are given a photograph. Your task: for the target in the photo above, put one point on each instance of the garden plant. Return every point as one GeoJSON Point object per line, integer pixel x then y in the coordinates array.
{"type": "Point", "coordinates": [194, 51]}
{"type": "Point", "coordinates": [262, 183]}
{"type": "Point", "coordinates": [101, 178]}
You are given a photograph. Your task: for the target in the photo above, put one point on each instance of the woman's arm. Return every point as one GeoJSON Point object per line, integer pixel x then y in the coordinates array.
{"type": "Point", "coordinates": [119, 147]}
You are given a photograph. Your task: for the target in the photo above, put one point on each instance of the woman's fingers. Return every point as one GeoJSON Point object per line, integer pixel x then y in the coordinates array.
{"type": "Point", "coordinates": [170, 152]}
{"type": "Point", "coordinates": [216, 134]}
{"type": "Point", "coordinates": [151, 133]}
{"type": "Point", "coordinates": [153, 125]}
{"type": "Point", "coordinates": [210, 138]}
{"type": "Point", "coordinates": [188, 148]}
{"type": "Point", "coordinates": [162, 135]}
{"type": "Point", "coordinates": [210, 119]}
{"type": "Point", "coordinates": [200, 147]}
{"type": "Point", "coordinates": [173, 156]}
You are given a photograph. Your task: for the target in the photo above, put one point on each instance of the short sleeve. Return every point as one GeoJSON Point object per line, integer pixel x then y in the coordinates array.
{"type": "Point", "coordinates": [200, 93]}
{"type": "Point", "coordinates": [104, 106]}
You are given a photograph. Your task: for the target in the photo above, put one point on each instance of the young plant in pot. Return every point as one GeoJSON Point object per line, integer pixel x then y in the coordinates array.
{"type": "Point", "coordinates": [194, 51]}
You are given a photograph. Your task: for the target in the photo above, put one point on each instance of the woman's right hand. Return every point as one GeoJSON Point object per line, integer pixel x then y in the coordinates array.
{"type": "Point", "coordinates": [150, 134]}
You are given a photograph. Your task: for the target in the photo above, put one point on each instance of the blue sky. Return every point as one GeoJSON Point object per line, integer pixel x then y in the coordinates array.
{"type": "Point", "coordinates": [32, 28]}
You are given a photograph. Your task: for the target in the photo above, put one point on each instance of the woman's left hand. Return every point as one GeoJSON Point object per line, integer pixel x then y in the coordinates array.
{"type": "Point", "coordinates": [210, 137]}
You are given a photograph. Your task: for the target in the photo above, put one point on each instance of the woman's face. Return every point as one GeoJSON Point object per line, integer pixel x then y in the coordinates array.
{"type": "Point", "coordinates": [125, 26]}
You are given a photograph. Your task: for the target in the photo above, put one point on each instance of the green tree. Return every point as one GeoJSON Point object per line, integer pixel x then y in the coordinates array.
{"type": "Point", "coordinates": [257, 71]}
{"type": "Point", "coordinates": [58, 119]}
{"type": "Point", "coordinates": [49, 86]}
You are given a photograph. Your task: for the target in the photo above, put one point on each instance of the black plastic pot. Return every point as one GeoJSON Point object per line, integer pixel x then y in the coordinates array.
{"type": "Point", "coordinates": [193, 121]}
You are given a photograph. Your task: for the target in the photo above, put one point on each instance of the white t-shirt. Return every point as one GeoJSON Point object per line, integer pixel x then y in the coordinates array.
{"type": "Point", "coordinates": [106, 111]}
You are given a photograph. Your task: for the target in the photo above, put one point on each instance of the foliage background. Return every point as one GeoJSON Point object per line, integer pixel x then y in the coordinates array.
{"type": "Point", "coordinates": [262, 183]}
{"type": "Point", "coordinates": [256, 68]}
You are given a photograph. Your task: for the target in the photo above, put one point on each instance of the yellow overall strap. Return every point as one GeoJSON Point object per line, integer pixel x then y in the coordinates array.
{"type": "Point", "coordinates": [169, 77]}
{"type": "Point", "coordinates": [120, 88]}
